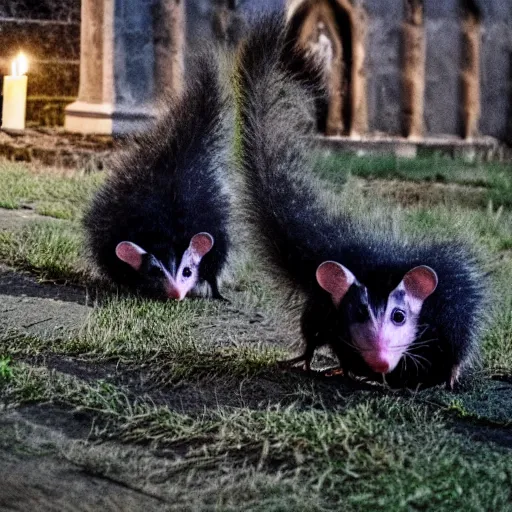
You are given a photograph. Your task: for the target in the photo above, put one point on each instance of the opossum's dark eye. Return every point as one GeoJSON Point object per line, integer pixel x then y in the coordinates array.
{"type": "Point", "coordinates": [398, 316]}
{"type": "Point", "coordinates": [187, 272]}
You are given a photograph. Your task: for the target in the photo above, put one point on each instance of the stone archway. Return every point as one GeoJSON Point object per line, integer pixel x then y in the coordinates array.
{"type": "Point", "coordinates": [336, 31]}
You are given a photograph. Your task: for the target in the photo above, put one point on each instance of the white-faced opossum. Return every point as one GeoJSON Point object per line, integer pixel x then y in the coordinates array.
{"type": "Point", "coordinates": [411, 311]}
{"type": "Point", "coordinates": [159, 224]}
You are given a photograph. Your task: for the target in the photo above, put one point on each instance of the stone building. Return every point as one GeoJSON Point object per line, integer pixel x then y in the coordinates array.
{"type": "Point", "coordinates": [401, 67]}
{"type": "Point", "coordinates": [414, 67]}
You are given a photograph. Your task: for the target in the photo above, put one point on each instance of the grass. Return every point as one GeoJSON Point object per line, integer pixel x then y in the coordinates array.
{"type": "Point", "coordinates": [5, 368]}
{"type": "Point", "coordinates": [376, 452]}
{"type": "Point", "coordinates": [494, 177]}
{"type": "Point", "coordinates": [433, 168]}
{"type": "Point", "coordinates": [196, 383]}
{"type": "Point", "coordinates": [51, 250]}
{"type": "Point", "coordinates": [161, 337]}
{"type": "Point", "coordinates": [52, 194]}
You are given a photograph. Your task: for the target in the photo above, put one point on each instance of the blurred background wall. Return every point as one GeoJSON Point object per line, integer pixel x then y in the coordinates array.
{"type": "Point", "coordinates": [429, 67]}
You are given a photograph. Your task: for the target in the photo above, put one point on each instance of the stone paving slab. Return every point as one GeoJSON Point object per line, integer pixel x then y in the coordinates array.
{"type": "Point", "coordinates": [37, 308]}
{"type": "Point", "coordinates": [12, 220]}
{"type": "Point", "coordinates": [35, 457]}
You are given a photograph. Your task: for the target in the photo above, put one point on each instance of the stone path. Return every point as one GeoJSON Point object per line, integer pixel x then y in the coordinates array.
{"type": "Point", "coordinates": [37, 308]}
{"type": "Point", "coordinates": [35, 457]}
{"type": "Point", "coordinates": [11, 220]}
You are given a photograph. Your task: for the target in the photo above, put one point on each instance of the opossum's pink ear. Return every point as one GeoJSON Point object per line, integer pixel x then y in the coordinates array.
{"type": "Point", "coordinates": [130, 253]}
{"type": "Point", "coordinates": [334, 279]}
{"type": "Point", "coordinates": [201, 243]}
{"type": "Point", "coordinates": [420, 282]}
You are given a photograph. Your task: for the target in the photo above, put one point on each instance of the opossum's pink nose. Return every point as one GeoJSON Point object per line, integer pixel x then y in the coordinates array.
{"type": "Point", "coordinates": [378, 363]}
{"type": "Point", "coordinates": [380, 367]}
{"type": "Point", "coordinates": [172, 293]}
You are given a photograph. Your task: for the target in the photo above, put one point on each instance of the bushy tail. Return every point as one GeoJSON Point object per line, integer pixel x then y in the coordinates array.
{"type": "Point", "coordinates": [289, 220]}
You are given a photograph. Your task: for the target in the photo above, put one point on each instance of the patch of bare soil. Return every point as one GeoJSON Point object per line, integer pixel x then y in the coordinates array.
{"type": "Point", "coordinates": [410, 193]}
{"type": "Point", "coordinates": [56, 147]}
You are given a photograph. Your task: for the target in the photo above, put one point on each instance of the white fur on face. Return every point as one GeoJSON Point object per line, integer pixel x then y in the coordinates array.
{"type": "Point", "coordinates": [177, 283]}
{"type": "Point", "coordinates": [382, 341]}
{"type": "Point", "coordinates": [187, 275]}
{"type": "Point", "coordinates": [384, 338]}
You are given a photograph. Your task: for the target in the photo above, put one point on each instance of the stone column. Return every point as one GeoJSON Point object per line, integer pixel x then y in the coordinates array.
{"type": "Point", "coordinates": [358, 22]}
{"type": "Point", "coordinates": [470, 75]}
{"type": "Point", "coordinates": [413, 75]}
{"type": "Point", "coordinates": [131, 53]}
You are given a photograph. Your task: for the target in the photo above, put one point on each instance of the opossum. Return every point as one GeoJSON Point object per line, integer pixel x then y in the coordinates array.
{"type": "Point", "coordinates": [159, 225]}
{"type": "Point", "coordinates": [406, 311]}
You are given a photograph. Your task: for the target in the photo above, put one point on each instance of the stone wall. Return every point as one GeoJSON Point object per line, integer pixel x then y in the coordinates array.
{"type": "Point", "coordinates": [443, 67]}
{"type": "Point", "coordinates": [48, 31]}
{"type": "Point", "coordinates": [496, 69]}
{"type": "Point", "coordinates": [383, 65]}
{"type": "Point", "coordinates": [201, 16]}
{"type": "Point", "coordinates": [447, 86]}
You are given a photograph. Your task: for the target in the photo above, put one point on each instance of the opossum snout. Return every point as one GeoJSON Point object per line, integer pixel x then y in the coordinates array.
{"type": "Point", "coordinates": [174, 294]}
{"type": "Point", "coordinates": [379, 363]}
{"type": "Point", "coordinates": [380, 367]}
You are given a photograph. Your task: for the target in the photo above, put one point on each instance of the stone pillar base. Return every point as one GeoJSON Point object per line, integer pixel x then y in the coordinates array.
{"type": "Point", "coordinates": [103, 119]}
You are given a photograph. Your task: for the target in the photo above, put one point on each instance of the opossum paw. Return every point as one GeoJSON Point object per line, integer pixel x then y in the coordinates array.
{"type": "Point", "coordinates": [296, 363]}
{"type": "Point", "coordinates": [454, 378]}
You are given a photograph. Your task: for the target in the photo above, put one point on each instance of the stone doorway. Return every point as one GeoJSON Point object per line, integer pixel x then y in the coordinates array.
{"type": "Point", "coordinates": [333, 31]}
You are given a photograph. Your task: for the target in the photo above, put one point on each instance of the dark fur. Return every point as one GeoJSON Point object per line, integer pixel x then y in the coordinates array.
{"type": "Point", "coordinates": [167, 187]}
{"type": "Point", "coordinates": [296, 231]}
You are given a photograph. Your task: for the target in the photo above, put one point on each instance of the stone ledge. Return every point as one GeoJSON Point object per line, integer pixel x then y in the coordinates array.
{"type": "Point", "coordinates": [478, 148]}
{"type": "Point", "coordinates": [57, 147]}
{"type": "Point", "coordinates": [103, 118]}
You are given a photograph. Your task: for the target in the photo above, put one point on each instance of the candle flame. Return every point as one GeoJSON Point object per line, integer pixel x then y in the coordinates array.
{"type": "Point", "coordinates": [19, 65]}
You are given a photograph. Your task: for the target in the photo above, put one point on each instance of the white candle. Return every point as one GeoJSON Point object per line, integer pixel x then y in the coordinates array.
{"type": "Point", "coordinates": [15, 96]}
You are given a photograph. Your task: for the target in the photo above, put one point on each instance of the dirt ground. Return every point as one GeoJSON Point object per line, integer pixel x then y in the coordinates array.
{"type": "Point", "coordinates": [55, 147]}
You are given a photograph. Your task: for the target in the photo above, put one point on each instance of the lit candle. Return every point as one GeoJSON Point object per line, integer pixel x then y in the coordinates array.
{"type": "Point", "coordinates": [15, 96]}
